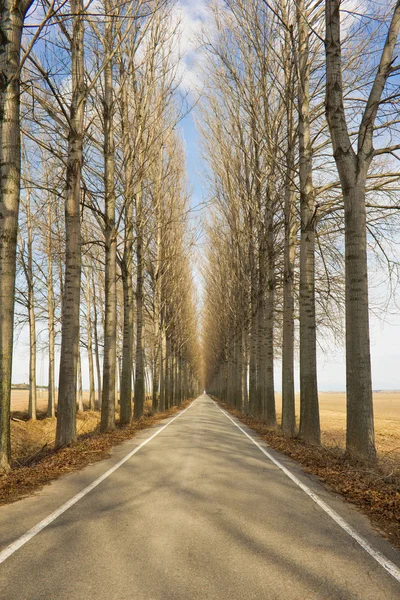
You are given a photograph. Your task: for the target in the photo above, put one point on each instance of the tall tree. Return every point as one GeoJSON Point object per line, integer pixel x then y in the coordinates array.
{"type": "Point", "coordinates": [309, 410]}
{"type": "Point", "coordinates": [12, 17]}
{"type": "Point", "coordinates": [353, 165]}
{"type": "Point", "coordinates": [66, 414]}
{"type": "Point", "coordinates": [110, 326]}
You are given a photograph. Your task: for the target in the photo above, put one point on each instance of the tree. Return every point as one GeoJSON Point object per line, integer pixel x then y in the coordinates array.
{"type": "Point", "coordinates": [353, 166]}
{"type": "Point", "coordinates": [11, 22]}
{"type": "Point", "coordinates": [110, 326]}
{"type": "Point", "coordinates": [66, 420]}
{"type": "Point", "coordinates": [309, 411]}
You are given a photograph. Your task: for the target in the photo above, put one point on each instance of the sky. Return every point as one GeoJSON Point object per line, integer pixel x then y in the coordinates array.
{"type": "Point", "coordinates": [385, 348]}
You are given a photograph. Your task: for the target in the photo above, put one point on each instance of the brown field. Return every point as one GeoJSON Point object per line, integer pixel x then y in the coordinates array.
{"type": "Point", "coordinates": [30, 438]}
{"type": "Point", "coordinates": [333, 421]}
{"type": "Point", "coordinates": [19, 400]}
{"type": "Point", "coordinates": [332, 408]}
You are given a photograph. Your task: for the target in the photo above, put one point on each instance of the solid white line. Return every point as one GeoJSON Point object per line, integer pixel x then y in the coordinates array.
{"type": "Point", "coordinates": [4, 554]}
{"type": "Point", "coordinates": [380, 558]}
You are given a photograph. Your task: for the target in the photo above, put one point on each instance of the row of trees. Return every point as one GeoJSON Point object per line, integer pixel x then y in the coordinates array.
{"type": "Point", "coordinates": [301, 108]}
{"type": "Point", "coordinates": [103, 262]}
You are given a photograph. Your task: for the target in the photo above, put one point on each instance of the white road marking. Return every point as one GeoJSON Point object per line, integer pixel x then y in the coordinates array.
{"type": "Point", "coordinates": [380, 558]}
{"type": "Point", "coordinates": [4, 554]}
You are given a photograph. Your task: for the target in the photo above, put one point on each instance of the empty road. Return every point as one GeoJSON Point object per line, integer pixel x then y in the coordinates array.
{"type": "Point", "coordinates": [198, 512]}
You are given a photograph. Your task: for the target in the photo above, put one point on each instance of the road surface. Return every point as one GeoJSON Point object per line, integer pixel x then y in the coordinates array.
{"type": "Point", "coordinates": [198, 512]}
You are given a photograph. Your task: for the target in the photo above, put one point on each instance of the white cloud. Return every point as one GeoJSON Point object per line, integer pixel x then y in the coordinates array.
{"type": "Point", "coordinates": [192, 15]}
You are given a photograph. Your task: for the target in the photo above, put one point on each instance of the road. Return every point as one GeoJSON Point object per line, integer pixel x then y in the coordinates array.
{"type": "Point", "coordinates": [198, 512]}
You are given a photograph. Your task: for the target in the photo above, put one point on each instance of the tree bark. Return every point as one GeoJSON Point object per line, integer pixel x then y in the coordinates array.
{"type": "Point", "coordinates": [289, 254]}
{"type": "Point", "coordinates": [66, 414]}
{"type": "Point", "coordinates": [139, 392]}
{"type": "Point", "coordinates": [269, 401]}
{"type": "Point", "coordinates": [51, 387]}
{"type": "Point", "coordinates": [89, 326]}
{"type": "Point", "coordinates": [309, 409]}
{"type": "Point", "coordinates": [79, 404]}
{"type": "Point", "coordinates": [31, 316]}
{"type": "Point", "coordinates": [96, 346]}
{"type": "Point", "coordinates": [12, 16]}
{"type": "Point", "coordinates": [245, 366]}
{"type": "Point", "coordinates": [253, 335]}
{"type": "Point", "coordinates": [162, 368]}
{"type": "Point", "coordinates": [110, 326]}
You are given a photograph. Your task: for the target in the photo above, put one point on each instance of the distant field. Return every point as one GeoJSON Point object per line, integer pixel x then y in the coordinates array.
{"type": "Point", "coordinates": [20, 398]}
{"type": "Point", "coordinates": [333, 417]}
{"type": "Point", "coordinates": [333, 420]}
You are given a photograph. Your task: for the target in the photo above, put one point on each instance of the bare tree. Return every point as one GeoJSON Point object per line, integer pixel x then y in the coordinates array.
{"type": "Point", "coordinates": [353, 166]}
{"type": "Point", "coordinates": [309, 410]}
{"type": "Point", "coordinates": [66, 421]}
{"type": "Point", "coordinates": [11, 23]}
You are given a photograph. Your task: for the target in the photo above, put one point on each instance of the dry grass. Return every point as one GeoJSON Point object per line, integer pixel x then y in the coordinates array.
{"type": "Point", "coordinates": [386, 417]}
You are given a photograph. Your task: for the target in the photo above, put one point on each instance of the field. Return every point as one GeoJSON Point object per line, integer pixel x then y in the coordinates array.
{"type": "Point", "coordinates": [333, 419]}
{"type": "Point", "coordinates": [29, 438]}
{"type": "Point", "coordinates": [19, 400]}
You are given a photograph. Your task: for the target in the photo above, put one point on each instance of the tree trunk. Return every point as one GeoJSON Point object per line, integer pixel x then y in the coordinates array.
{"type": "Point", "coordinates": [261, 326]}
{"type": "Point", "coordinates": [167, 372]}
{"type": "Point", "coordinates": [11, 21]}
{"type": "Point", "coordinates": [155, 380]}
{"type": "Point", "coordinates": [79, 404]}
{"type": "Point", "coordinates": [289, 255]}
{"type": "Point", "coordinates": [158, 279]}
{"type": "Point", "coordinates": [66, 414]}
{"type": "Point", "coordinates": [360, 438]}
{"type": "Point", "coordinates": [309, 409]}
{"type": "Point", "coordinates": [97, 347]}
{"type": "Point", "coordinates": [239, 371]}
{"type": "Point", "coordinates": [139, 358]}
{"type": "Point", "coordinates": [162, 370]}
{"type": "Point", "coordinates": [51, 402]}
{"type": "Point", "coordinates": [110, 325]}
{"type": "Point", "coordinates": [90, 347]}
{"type": "Point", "coordinates": [253, 341]}
{"type": "Point", "coordinates": [32, 330]}
{"type": "Point", "coordinates": [245, 371]}
{"type": "Point", "coordinates": [269, 398]}
{"type": "Point", "coordinates": [127, 342]}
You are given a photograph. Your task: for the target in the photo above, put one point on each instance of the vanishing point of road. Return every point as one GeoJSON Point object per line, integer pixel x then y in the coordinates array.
{"type": "Point", "coordinates": [197, 512]}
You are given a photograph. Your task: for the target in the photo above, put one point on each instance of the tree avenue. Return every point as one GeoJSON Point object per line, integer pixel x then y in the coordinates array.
{"type": "Point", "coordinates": [99, 247]}
{"type": "Point", "coordinates": [105, 249]}
{"type": "Point", "coordinates": [297, 135]}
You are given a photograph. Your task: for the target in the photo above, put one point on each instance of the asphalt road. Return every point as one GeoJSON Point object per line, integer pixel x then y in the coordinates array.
{"type": "Point", "coordinates": [197, 513]}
